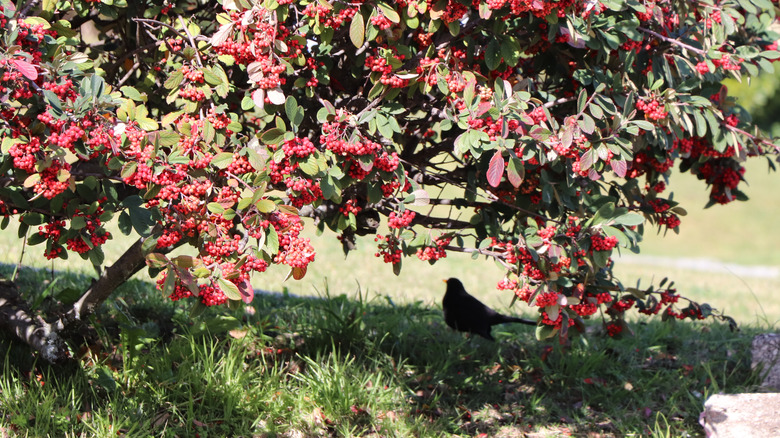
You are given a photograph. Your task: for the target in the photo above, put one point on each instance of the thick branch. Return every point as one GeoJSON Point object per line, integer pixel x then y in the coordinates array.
{"type": "Point", "coordinates": [128, 264]}
{"type": "Point", "coordinates": [16, 317]}
{"type": "Point", "coordinates": [44, 337]}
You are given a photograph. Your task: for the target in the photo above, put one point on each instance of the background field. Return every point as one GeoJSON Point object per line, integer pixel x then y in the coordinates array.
{"type": "Point", "coordinates": [743, 233]}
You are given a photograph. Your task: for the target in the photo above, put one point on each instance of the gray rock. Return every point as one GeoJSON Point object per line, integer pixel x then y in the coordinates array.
{"type": "Point", "coordinates": [766, 355]}
{"type": "Point", "coordinates": [742, 416]}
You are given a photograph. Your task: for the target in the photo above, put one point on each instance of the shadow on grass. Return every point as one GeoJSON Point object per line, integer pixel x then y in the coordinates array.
{"type": "Point", "coordinates": [340, 366]}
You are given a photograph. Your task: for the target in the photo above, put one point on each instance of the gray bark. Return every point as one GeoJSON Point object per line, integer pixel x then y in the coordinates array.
{"type": "Point", "coordinates": [45, 336]}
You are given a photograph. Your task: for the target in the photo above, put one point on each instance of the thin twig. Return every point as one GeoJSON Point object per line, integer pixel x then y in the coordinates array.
{"type": "Point", "coordinates": [673, 41]}
{"type": "Point", "coordinates": [192, 41]}
{"type": "Point", "coordinates": [752, 137]}
{"type": "Point", "coordinates": [160, 23]}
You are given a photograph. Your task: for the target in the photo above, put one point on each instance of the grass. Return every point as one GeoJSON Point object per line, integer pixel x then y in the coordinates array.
{"type": "Point", "coordinates": [739, 232]}
{"type": "Point", "coordinates": [359, 367]}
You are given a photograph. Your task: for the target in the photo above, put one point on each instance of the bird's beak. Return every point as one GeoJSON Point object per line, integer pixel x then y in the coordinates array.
{"type": "Point", "coordinates": [444, 281]}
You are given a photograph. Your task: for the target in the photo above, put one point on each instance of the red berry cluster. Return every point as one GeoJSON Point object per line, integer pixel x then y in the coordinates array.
{"type": "Point", "coordinates": [623, 304]}
{"type": "Point", "coordinates": [394, 221]}
{"type": "Point", "coordinates": [518, 255]}
{"type": "Point", "coordinates": [389, 248]}
{"type": "Point", "coordinates": [644, 163]}
{"type": "Point", "coordinates": [350, 207]}
{"type": "Point", "coordinates": [614, 329]}
{"type": "Point", "coordinates": [599, 243]}
{"type": "Point", "coordinates": [192, 74]}
{"type": "Point", "coordinates": [653, 109]}
{"type": "Point", "coordinates": [523, 292]}
{"type": "Point", "coordinates": [547, 233]}
{"type": "Point", "coordinates": [174, 44]}
{"type": "Point", "coordinates": [436, 252]}
{"type": "Point", "coordinates": [193, 94]}
{"type": "Point", "coordinates": [298, 253]}
{"type": "Point", "coordinates": [330, 16]}
{"type": "Point", "coordinates": [381, 22]}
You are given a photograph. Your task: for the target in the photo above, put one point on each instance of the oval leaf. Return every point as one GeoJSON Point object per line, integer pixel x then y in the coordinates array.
{"type": "Point", "coordinates": [299, 273]}
{"type": "Point", "coordinates": [496, 169]}
{"type": "Point", "coordinates": [222, 34]}
{"type": "Point", "coordinates": [620, 167]}
{"type": "Point", "coordinates": [515, 172]}
{"type": "Point", "coordinates": [26, 69]}
{"type": "Point", "coordinates": [229, 289]}
{"type": "Point", "coordinates": [357, 30]}
{"type": "Point", "coordinates": [276, 96]}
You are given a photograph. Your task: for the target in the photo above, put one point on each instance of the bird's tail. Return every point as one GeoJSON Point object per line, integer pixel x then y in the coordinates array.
{"type": "Point", "coordinates": [502, 319]}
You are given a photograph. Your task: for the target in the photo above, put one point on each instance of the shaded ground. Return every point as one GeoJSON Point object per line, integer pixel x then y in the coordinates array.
{"type": "Point", "coordinates": [358, 367]}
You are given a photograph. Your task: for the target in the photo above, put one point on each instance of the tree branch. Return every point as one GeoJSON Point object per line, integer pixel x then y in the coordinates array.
{"type": "Point", "coordinates": [673, 41]}
{"type": "Point", "coordinates": [17, 318]}
{"type": "Point", "coordinates": [44, 337]}
{"type": "Point", "coordinates": [128, 264]}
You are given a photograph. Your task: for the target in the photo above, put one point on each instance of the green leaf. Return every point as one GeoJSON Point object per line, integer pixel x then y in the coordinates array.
{"type": "Point", "coordinates": [265, 205]}
{"type": "Point", "coordinates": [53, 100]}
{"type": "Point", "coordinates": [229, 289]}
{"type": "Point", "coordinates": [77, 222]}
{"type": "Point", "coordinates": [147, 124]}
{"type": "Point", "coordinates": [273, 136]}
{"type": "Point", "coordinates": [157, 260]}
{"type": "Point", "coordinates": [140, 217]}
{"type": "Point", "coordinates": [629, 219]}
{"type": "Point", "coordinates": [389, 12]}
{"type": "Point", "coordinates": [272, 240]}
{"type": "Point", "coordinates": [222, 160]}
{"type": "Point", "coordinates": [31, 218]}
{"type": "Point", "coordinates": [215, 207]}
{"type": "Point", "coordinates": [510, 52]}
{"type": "Point", "coordinates": [125, 225]}
{"type": "Point", "coordinates": [132, 93]}
{"type": "Point", "coordinates": [582, 100]}
{"type": "Point", "coordinates": [596, 111]}
{"type": "Point", "coordinates": [493, 55]}
{"type": "Point", "coordinates": [643, 124]}
{"type": "Point", "coordinates": [545, 332]}
{"type": "Point", "coordinates": [601, 258]}
{"type": "Point", "coordinates": [587, 159]}
{"type": "Point", "coordinates": [211, 77]}
{"type": "Point", "coordinates": [587, 124]}
{"type": "Point", "coordinates": [174, 80]}
{"type": "Point", "coordinates": [357, 30]}
{"type": "Point", "coordinates": [309, 166]}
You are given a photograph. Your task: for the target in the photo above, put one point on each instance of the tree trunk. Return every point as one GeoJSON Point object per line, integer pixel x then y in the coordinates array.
{"type": "Point", "coordinates": [45, 337]}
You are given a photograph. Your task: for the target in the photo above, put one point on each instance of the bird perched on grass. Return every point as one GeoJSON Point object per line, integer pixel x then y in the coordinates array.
{"type": "Point", "coordinates": [465, 313]}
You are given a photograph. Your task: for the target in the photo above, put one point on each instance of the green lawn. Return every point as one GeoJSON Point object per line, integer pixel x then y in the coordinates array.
{"type": "Point", "coordinates": [358, 367]}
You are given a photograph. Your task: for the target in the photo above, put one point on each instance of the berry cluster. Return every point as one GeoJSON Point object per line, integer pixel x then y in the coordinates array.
{"type": "Point", "coordinates": [653, 109]}
{"type": "Point", "coordinates": [394, 221]}
{"type": "Point", "coordinates": [193, 94]}
{"type": "Point", "coordinates": [436, 252]}
{"type": "Point", "coordinates": [350, 207]}
{"type": "Point", "coordinates": [388, 248]}
{"type": "Point", "coordinates": [600, 243]}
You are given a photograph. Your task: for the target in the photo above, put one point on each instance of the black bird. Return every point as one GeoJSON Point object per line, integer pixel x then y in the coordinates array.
{"type": "Point", "coordinates": [465, 313]}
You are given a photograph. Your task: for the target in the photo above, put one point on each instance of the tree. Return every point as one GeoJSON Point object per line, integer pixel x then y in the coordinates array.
{"type": "Point", "coordinates": [540, 134]}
